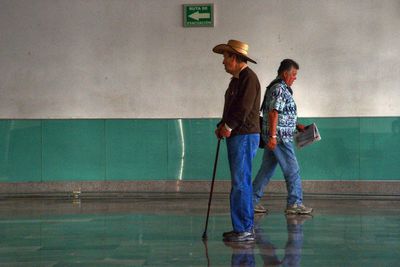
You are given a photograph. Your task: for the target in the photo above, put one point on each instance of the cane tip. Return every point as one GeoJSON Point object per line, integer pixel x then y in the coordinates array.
{"type": "Point", "coordinates": [204, 237]}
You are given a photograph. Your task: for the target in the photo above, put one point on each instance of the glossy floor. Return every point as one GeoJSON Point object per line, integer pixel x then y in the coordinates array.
{"type": "Point", "coordinates": [166, 230]}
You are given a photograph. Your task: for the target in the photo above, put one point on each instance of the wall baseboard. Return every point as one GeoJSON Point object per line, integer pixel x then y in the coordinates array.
{"type": "Point", "coordinates": [104, 188]}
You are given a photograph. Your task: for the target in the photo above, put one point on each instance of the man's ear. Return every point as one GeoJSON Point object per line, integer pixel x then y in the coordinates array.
{"type": "Point", "coordinates": [285, 74]}
{"type": "Point", "coordinates": [234, 57]}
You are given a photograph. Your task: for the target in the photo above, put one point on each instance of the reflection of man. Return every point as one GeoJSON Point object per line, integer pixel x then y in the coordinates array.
{"type": "Point", "coordinates": [242, 254]}
{"type": "Point", "coordinates": [240, 126]}
{"type": "Point", "coordinates": [294, 243]}
{"type": "Point", "coordinates": [279, 126]}
{"type": "Point", "coordinates": [267, 249]}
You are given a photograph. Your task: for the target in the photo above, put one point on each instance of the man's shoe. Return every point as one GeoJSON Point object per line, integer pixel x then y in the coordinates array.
{"type": "Point", "coordinates": [240, 237]}
{"type": "Point", "coordinates": [298, 209]}
{"type": "Point", "coordinates": [230, 233]}
{"type": "Point", "coordinates": [259, 209]}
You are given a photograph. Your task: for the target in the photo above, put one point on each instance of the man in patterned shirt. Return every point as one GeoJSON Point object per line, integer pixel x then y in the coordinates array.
{"type": "Point", "coordinates": [279, 126]}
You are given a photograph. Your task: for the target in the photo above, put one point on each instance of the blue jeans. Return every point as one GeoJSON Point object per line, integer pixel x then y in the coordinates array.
{"type": "Point", "coordinates": [285, 156]}
{"type": "Point", "coordinates": [241, 151]}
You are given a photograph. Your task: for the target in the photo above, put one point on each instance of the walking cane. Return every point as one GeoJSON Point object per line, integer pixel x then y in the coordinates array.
{"type": "Point", "coordinates": [212, 188]}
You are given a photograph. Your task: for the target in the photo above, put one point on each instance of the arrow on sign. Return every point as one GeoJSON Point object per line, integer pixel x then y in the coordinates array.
{"type": "Point", "coordinates": [197, 15]}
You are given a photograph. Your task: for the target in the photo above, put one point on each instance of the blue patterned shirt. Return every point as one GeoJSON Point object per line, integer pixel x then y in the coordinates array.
{"type": "Point", "coordinates": [279, 97]}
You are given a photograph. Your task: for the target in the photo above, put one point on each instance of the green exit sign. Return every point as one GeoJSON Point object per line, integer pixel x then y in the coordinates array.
{"type": "Point", "coordinates": [198, 15]}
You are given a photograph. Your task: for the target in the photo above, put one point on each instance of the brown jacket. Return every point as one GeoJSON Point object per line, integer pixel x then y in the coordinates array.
{"type": "Point", "coordinates": [242, 103]}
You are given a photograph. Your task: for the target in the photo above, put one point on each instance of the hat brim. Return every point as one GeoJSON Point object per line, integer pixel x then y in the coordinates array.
{"type": "Point", "coordinates": [221, 48]}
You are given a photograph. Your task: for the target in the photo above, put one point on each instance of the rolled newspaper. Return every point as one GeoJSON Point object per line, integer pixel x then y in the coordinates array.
{"type": "Point", "coordinates": [309, 136]}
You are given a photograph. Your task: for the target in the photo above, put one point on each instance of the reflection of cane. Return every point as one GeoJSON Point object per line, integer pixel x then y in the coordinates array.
{"type": "Point", "coordinates": [211, 191]}
{"type": "Point", "coordinates": [206, 247]}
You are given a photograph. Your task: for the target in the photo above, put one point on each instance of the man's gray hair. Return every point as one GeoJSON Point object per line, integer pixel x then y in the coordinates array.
{"type": "Point", "coordinates": [287, 65]}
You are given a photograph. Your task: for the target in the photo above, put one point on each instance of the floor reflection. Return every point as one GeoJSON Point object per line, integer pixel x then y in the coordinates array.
{"type": "Point", "coordinates": [245, 253]}
{"type": "Point", "coordinates": [159, 230]}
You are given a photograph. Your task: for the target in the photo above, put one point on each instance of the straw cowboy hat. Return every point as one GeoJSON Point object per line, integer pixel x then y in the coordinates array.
{"type": "Point", "coordinates": [236, 47]}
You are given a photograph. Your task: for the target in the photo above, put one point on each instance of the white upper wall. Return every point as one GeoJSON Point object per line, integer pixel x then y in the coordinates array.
{"type": "Point", "coordinates": [133, 59]}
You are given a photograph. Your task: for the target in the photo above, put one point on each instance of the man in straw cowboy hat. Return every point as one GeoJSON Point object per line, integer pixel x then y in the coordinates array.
{"type": "Point", "coordinates": [240, 126]}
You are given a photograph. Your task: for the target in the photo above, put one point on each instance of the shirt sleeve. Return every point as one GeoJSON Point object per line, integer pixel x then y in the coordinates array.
{"type": "Point", "coordinates": [277, 100]}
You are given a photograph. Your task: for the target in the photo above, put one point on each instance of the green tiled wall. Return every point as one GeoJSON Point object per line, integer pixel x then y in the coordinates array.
{"type": "Point", "coordinates": [171, 149]}
{"type": "Point", "coordinates": [20, 150]}
{"type": "Point", "coordinates": [136, 149]}
{"type": "Point", "coordinates": [73, 150]}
